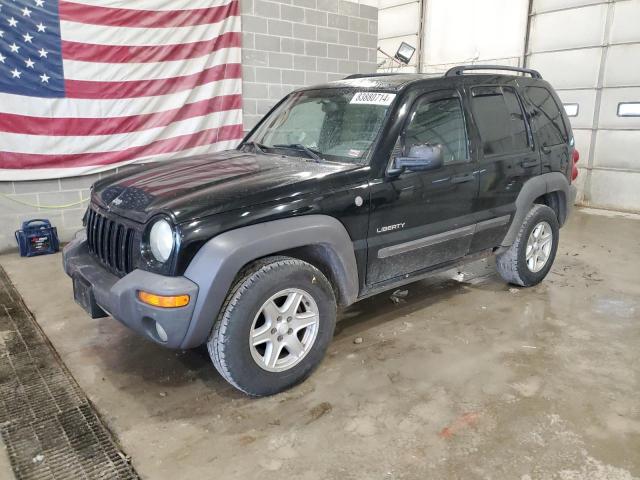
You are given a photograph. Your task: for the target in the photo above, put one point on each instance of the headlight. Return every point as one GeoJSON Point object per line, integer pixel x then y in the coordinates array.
{"type": "Point", "coordinates": [161, 240]}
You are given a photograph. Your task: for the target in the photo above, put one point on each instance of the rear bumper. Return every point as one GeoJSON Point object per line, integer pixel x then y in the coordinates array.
{"type": "Point", "coordinates": [118, 296]}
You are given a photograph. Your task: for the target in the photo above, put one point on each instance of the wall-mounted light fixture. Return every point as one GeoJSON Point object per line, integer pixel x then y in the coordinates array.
{"type": "Point", "coordinates": [405, 52]}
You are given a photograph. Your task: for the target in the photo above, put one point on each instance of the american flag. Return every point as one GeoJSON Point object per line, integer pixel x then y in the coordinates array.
{"type": "Point", "coordinates": [86, 86]}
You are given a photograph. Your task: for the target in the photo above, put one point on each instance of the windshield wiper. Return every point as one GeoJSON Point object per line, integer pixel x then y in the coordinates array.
{"type": "Point", "coordinates": [257, 147]}
{"type": "Point", "coordinates": [298, 146]}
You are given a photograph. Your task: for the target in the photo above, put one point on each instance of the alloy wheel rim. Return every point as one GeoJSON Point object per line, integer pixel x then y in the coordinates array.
{"type": "Point", "coordinates": [284, 330]}
{"type": "Point", "coordinates": [539, 247]}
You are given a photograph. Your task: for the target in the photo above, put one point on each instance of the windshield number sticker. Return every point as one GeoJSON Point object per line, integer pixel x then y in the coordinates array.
{"type": "Point", "coordinates": [373, 98]}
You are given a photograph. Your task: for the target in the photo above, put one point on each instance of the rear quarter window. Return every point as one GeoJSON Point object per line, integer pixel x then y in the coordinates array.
{"type": "Point", "coordinates": [549, 124]}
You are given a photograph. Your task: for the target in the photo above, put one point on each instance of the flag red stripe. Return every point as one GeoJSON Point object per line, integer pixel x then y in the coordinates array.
{"type": "Point", "coordinates": [124, 17]}
{"type": "Point", "coordinates": [168, 145]}
{"type": "Point", "coordinates": [148, 88]}
{"type": "Point", "coordinates": [65, 126]}
{"type": "Point", "coordinates": [87, 52]}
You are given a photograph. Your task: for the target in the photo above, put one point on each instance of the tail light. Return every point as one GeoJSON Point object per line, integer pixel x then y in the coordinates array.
{"type": "Point", "coordinates": [575, 156]}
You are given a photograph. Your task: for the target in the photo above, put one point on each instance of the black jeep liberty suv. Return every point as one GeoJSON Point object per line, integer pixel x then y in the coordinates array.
{"type": "Point", "coordinates": [341, 191]}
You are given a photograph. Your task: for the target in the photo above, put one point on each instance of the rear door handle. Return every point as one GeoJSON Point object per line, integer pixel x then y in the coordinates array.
{"type": "Point", "coordinates": [545, 149]}
{"type": "Point", "coordinates": [462, 178]}
{"type": "Point", "coordinates": [529, 163]}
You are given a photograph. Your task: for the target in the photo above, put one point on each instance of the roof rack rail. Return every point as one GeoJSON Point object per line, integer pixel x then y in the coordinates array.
{"type": "Point", "coordinates": [460, 69]}
{"type": "Point", "coordinates": [365, 75]}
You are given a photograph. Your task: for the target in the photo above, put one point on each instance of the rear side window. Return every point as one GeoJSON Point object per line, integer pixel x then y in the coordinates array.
{"type": "Point", "coordinates": [500, 119]}
{"type": "Point", "coordinates": [550, 127]}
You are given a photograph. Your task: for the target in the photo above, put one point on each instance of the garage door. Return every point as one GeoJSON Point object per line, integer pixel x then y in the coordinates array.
{"type": "Point", "coordinates": [590, 51]}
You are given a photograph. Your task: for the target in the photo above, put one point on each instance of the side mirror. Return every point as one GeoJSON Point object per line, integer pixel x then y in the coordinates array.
{"type": "Point", "coordinates": [421, 158]}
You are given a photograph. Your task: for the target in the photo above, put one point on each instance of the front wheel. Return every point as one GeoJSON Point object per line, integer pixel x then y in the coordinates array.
{"type": "Point", "coordinates": [274, 327]}
{"type": "Point", "coordinates": [530, 257]}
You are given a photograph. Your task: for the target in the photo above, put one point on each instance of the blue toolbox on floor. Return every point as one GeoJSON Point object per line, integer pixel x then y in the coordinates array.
{"type": "Point", "coordinates": [37, 237]}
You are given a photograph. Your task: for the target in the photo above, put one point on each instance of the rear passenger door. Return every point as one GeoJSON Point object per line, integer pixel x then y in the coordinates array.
{"type": "Point", "coordinates": [549, 128]}
{"type": "Point", "coordinates": [508, 159]}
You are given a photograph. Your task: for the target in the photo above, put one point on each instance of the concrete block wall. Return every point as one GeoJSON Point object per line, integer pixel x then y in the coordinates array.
{"type": "Point", "coordinates": [288, 44]}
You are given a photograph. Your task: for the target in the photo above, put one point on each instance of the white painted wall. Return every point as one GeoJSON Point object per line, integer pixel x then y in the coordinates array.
{"type": "Point", "coordinates": [456, 31]}
{"type": "Point", "coordinates": [472, 31]}
{"type": "Point", "coordinates": [398, 21]}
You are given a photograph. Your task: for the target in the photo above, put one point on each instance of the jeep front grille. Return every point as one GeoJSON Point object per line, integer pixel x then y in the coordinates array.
{"type": "Point", "coordinates": [111, 241]}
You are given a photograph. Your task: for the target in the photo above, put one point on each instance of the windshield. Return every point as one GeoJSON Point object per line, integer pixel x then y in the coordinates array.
{"type": "Point", "coordinates": [331, 124]}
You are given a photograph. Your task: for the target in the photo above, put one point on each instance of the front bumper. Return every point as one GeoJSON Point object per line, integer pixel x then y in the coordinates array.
{"type": "Point", "coordinates": [118, 296]}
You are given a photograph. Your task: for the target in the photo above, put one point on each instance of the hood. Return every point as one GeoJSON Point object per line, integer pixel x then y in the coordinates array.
{"type": "Point", "coordinates": [195, 187]}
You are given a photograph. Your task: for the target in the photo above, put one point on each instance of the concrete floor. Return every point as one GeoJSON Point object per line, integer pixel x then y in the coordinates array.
{"type": "Point", "coordinates": [467, 378]}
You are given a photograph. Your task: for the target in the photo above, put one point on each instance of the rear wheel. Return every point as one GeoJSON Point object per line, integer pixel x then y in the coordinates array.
{"type": "Point", "coordinates": [274, 327]}
{"type": "Point", "coordinates": [530, 257]}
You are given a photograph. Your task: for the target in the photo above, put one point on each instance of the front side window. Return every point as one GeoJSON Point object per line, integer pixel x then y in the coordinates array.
{"type": "Point", "coordinates": [500, 119]}
{"type": "Point", "coordinates": [438, 122]}
{"type": "Point", "coordinates": [335, 124]}
{"type": "Point", "coordinates": [549, 123]}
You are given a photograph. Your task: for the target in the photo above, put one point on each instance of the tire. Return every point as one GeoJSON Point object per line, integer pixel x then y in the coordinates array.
{"type": "Point", "coordinates": [249, 309]}
{"type": "Point", "coordinates": [513, 265]}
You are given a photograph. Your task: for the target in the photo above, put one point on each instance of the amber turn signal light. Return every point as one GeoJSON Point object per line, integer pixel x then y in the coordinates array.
{"type": "Point", "coordinates": [163, 301]}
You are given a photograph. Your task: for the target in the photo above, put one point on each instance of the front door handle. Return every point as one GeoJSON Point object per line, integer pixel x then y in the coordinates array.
{"type": "Point", "coordinates": [545, 149]}
{"type": "Point", "coordinates": [462, 178]}
{"type": "Point", "coordinates": [529, 163]}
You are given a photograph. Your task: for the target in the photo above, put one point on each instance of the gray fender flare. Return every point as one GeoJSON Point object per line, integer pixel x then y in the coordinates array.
{"type": "Point", "coordinates": [218, 261]}
{"type": "Point", "coordinates": [532, 189]}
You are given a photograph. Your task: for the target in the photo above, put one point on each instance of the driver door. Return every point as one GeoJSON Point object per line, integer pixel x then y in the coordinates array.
{"type": "Point", "coordinates": [422, 219]}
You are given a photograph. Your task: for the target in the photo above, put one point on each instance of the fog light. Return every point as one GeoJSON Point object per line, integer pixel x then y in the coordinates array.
{"type": "Point", "coordinates": [163, 301]}
{"type": "Point", "coordinates": [162, 335]}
